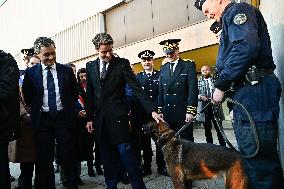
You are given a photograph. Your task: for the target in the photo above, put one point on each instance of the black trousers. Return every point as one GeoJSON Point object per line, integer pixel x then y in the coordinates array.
{"type": "Point", "coordinates": [4, 166]}
{"type": "Point", "coordinates": [64, 134]}
{"type": "Point", "coordinates": [209, 119]}
{"type": "Point", "coordinates": [26, 176]}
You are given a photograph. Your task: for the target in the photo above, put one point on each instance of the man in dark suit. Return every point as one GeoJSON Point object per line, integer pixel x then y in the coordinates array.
{"type": "Point", "coordinates": [9, 112]}
{"type": "Point", "coordinates": [149, 79]}
{"type": "Point", "coordinates": [107, 107]}
{"type": "Point", "coordinates": [50, 90]}
{"type": "Point", "coordinates": [178, 89]}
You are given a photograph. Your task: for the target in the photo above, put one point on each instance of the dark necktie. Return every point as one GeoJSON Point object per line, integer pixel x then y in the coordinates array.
{"type": "Point", "coordinates": [51, 93]}
{"type": "Point", "coordinates": [172, 68]}
{"type": "Point", "coordinates": [208, 92]}
{"type": "Point", "coordinates": [103, 73]}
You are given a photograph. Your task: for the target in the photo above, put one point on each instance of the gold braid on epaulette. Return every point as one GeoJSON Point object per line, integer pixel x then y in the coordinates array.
{"type": "Point", "coordinates": [160, 110]}
{"type": "Point", "coordinates": [191, 110]}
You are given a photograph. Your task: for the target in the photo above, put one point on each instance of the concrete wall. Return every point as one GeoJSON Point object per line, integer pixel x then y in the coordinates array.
{"type": "Point", "coordinates": [273, 14]}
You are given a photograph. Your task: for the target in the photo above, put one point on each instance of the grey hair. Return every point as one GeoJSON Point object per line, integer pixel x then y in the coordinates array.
{"type": "Point", "coordinates": [42, 42]}
{"type": "Point", "coordinates": [102, 39]}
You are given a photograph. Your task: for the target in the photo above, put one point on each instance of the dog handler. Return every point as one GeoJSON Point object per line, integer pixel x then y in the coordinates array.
{"type": "Point", "coordinates": [245, 60]}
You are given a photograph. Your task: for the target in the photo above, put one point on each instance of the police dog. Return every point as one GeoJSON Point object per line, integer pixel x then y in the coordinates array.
{"type": "Point", "coordinates": [187, 161]}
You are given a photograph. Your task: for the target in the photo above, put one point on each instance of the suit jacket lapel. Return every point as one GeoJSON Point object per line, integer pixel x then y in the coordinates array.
{"type": "Point", "coordinates": [60, 76]}
{"type": "Point", "coordinates": [175, 74]}
{"type": "Point", "coordinates": [96, 68]}
{"type": "Point", "coordinates": [38, 73]}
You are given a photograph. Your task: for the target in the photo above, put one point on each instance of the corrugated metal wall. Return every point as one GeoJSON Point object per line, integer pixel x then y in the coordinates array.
{"type": "Point", "coordinates": [75, 43]}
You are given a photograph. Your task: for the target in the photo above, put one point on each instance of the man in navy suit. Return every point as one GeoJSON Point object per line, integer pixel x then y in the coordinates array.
{"type": "Point", "coordinates": [107, 77]}
{"type": "Point", "coordinates": [50, 90]}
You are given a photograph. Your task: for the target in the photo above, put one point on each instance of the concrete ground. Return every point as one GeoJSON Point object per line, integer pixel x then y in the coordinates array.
{"type": "Point", "coordinates": [154, 181]}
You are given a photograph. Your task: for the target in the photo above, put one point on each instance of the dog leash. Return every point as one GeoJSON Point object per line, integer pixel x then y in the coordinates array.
{"type": "Point", "coordinates": [222, 129]}
{"type": "Point", "coordinates": [252, 124]}
{"type": "Point", "coordinates": [193, 120]}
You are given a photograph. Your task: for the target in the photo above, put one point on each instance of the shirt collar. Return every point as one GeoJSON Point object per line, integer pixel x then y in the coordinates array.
{"type": "Point", "coordinates": [44, 66]}
{"type": "Point", "coordinates": [225, 10]}
{"type": "Point", "coordinates": [101, 61]}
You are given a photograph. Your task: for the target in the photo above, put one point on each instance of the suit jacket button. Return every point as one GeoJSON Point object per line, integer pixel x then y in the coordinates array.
{"type": "Point", "coordinates": [168, 104]}
{"type": "Point", "coordinates": [175, 94]}
{"type": "Point", "coordinates": [177, 83]}
{"type": "Point", "coordinates": [151, 96]}
{"type": "Point", "coordinates": [174, 105]}
{"type": "Point", "coordinates": [118, 121]}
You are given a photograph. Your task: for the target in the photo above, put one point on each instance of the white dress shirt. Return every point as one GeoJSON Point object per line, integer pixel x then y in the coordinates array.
{"type": "Point", "coordinates": [175, 64]}
{"type": "Point", "coordinates": [45, 107]}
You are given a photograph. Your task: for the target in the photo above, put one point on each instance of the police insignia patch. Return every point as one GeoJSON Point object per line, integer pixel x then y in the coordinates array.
{"type": "Point", "coordinates": [240, 19]}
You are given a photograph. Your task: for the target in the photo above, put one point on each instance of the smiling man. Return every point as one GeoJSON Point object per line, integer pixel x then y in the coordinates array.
{"type": "Point", "coordinates": [50, 89]}
{"type": "Point", "coordinates": [245, 63]}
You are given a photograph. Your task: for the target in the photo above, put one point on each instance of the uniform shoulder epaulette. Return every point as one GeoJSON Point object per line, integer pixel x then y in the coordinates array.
{"type": "Point", "coordinates": [188, 60]}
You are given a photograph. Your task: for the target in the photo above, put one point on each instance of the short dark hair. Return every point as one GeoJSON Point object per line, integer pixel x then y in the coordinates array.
{"type": "Point", "coordinates": [42, 42]}
{"type": "Point", "coordinates": [81, 70]}
{"type": "Point", "coordinates": [102, 39]}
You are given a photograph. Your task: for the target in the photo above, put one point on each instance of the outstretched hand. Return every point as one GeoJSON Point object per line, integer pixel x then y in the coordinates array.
{"type": "Point", "coordinates": [90, 127]}
{"type": "Point", "coordinates": [157, 117]}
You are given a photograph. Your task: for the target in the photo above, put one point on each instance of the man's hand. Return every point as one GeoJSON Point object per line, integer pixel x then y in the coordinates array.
{"type": "Point", "coordinates": [157, 117]}
{"type": "Point", "coordinates": [204, 98]}
{"type": "Point", "coordinates": [218, 96]}
{"type": "Point", "coordinates": [189, 118]}
{"type": "Point", "coordinates": [90, 127]}
{"type": "Point", "coordinates": [82, 114]}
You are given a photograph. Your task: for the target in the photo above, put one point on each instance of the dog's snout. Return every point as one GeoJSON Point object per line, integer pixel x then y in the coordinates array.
{"type": "Point", "coordinates": [146, 129]}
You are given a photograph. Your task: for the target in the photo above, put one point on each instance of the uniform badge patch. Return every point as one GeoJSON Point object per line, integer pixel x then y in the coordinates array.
{"type": "Point", "coordinates": [240, 19]}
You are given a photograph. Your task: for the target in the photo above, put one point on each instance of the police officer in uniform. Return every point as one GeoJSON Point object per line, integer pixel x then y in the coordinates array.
{"type": "Point", "coordinates": [178, 89]}
{"type": "Point", "coordinates": [149, 79]}
{"type": "Point", "coordinates": [245, 60]}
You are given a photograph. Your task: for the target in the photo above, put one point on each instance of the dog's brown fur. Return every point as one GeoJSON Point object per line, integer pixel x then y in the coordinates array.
{"type": "Point", "coordinates": [187, 161]}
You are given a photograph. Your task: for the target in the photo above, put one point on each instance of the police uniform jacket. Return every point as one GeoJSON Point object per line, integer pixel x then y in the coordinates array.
{"type": "Point", "coordinates": [9, 98]}
{"type": "Point", "coordinates": [150, 85]}
{"type": "Point", "coordinates": [178, 93]}
{"type": "Point", "coordinates": [245, 42]}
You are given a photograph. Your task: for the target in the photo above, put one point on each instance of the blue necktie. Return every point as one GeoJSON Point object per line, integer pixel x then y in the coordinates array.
{"type": "Point", "coordinates": [51, 93]}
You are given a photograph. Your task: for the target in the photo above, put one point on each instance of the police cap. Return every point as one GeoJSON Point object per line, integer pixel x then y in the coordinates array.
{"type": "Point", "coordinates": [170, 45]}
{"type": "Point", "coordinates": [146, 54]}
{"type": "Point", "coordinates": [198, 4]}
{"type": "Point", "coordinates": [28, 52]}
{"type": "Point", "coordinates": [216, 27]}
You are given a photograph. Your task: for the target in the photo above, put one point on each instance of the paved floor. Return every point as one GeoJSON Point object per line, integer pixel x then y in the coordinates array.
{"type": "Point", "coordinates": [153, 181]}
